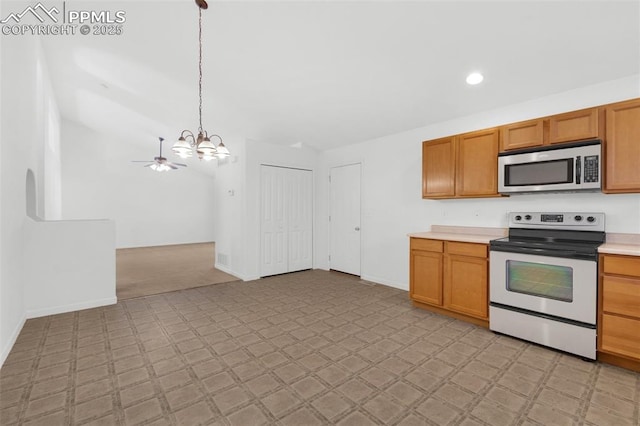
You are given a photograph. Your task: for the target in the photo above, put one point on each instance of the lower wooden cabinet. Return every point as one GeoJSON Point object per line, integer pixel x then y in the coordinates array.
{"type": "Point", "coordinates": [619, 311]}
{"type": "Point", "coordinates": [426, 271]}
{"type": "Point", "coordinates": [451, 278]}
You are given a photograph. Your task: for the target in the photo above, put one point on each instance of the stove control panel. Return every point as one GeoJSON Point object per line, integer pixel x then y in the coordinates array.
{"type": "Point", "coordinates": [568, 220]}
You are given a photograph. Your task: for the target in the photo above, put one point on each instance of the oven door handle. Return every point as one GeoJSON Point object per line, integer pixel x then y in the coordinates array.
{"type": "Point", "coordinates": [539, 251]}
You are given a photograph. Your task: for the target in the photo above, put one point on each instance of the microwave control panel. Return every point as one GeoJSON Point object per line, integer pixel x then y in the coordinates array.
{"type": "Point", "coordinates": [591, 168]}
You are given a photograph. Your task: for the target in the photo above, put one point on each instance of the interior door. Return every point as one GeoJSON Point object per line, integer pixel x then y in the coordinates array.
{"type": "Point", "coordinates": [344, 219]}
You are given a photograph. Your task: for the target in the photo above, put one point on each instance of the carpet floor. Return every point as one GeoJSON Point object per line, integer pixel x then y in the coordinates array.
{"type": "Point", "coordinates": [152, 270]}
{"type": "Point", "coordinates": [309, 348]}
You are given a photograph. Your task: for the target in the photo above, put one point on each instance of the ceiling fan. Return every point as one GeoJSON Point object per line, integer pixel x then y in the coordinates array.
{"type": "Point", "coordinates": [160, 163]}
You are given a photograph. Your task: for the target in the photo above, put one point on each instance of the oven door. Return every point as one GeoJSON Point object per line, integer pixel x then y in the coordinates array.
{"type": "Point", "coordinates": [561, 287]}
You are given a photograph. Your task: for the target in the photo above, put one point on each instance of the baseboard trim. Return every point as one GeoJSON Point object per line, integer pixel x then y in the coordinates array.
{"type": "Point", "coordinates": [384, 282]}
{"type": "Point", "coordinates": [12, 340]}
{"type": "Point", "coordinates": [236, 274]}
{"type": "Point", "coordinates": [62, 309]}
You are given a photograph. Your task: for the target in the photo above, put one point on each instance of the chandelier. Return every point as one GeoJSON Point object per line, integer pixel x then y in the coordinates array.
{"type": "Point", "coordinates": [187, 142]}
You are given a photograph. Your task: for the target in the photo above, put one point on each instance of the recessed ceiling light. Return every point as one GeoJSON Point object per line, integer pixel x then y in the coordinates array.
{"type": "Point", "coordinates": [474, 78]}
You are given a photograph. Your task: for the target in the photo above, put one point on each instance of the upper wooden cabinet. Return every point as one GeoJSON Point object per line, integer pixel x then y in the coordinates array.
{"type": "Point", "coordinates": [622, 147]}
{"type": "Point", "coordinates": [477, 164]}
{"type": "Point", "coordinates": [466, 165]}
{"type": "Point", "coordinates": [461, 166]}
{"type": "Point", "coordinates": [522, 135]}
{"type": "Point", "coordinates": [575, 126]}
{"type": "Point", "coordinates": [571, 126]}
{"type": "Point", "coordinates": [438, 168]}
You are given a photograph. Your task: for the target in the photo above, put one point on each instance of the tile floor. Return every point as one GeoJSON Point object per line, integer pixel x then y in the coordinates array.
{"type": "Point", "coordinates": [310, 348]}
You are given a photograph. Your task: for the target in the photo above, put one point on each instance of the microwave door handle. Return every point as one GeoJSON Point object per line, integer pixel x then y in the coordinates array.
{"type": "Point", "coordinates": [578, 170]}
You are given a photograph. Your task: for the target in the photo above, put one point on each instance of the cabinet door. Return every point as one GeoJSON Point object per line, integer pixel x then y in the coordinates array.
{"type": "Point", "coordinates": [621, 335]}
{"type": "Point", "coordinates": [477, 171]}
{"type": "Point", "coordinates": [426, 277]}
{"type": "Point", "coordinates": [438, 168]}
{"type": "Point", "coordinates": [466, 285]}
{"type": "Point", "coordinates": [574, 126]}
{"type": "Point", "coordinates": [522, 135]}
{"type": "Point", "coordinates": [622, 170]}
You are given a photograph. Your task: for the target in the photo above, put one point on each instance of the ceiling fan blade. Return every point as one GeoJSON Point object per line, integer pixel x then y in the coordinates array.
{"type": "Point", "coordinates": [179, 164]}
{"type": "Point", "coordinates": [171, 165]}
{"type": "Point", "coordinates": [149, 165]}
{"type": "Point", "coordinates": [142, 161]}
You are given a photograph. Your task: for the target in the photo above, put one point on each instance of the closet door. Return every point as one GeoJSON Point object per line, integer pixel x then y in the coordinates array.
{"type": "Point", "coordinates": [300, 219]}
{"type": "Point", "coordinates": [274, 227]}
{"type": "Point", "coordinates": [286, 220]}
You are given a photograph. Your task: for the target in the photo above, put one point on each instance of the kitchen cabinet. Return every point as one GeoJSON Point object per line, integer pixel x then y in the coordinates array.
{"type": "Point", "coordinates": [466, 279]}
{"type": "Point", "coordinates": [450, 278]}
{"type": "Point", "coordinates": [438, 168]}
{"type": "Point", "coordinates": [560, 128]}
{"type": "Point", "coordinates": [526, 134]}
{"type": "Point", "coordinates": [622, 147]}
{"type": "Point", "coordinates": [619, 311]}
{"type": "Point", "coordinates": [426, 271]}
{"type": "Point", "coordinates": [575, 126]}
{"type": "Point", "coordinates": [461, 166]}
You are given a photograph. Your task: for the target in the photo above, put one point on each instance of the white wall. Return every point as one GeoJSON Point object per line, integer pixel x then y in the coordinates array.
{"type": "Point", "coordinates": [99, 181]}
{"type": "Point", "coordinates": [24, 138]}
{"type": "Point", "coordinates": [230, 209]}
{"type": "Point", "coordinates": [391, 186]}
{"type": "Point", "coordinates": [69, 265]}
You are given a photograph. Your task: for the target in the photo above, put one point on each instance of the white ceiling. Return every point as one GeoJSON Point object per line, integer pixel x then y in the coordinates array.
{"type": "Point", "coordinates": [327, 74]}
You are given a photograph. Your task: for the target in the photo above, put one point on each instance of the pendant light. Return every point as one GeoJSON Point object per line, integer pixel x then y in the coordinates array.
{"type": "Point", "coordinates": [187, 142]}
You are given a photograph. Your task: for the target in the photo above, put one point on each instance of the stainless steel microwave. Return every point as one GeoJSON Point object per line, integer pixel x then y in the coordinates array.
{"type": "Point", "coordinates": [567, 167]}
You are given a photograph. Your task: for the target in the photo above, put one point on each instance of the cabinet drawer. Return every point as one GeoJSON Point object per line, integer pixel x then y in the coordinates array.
{"type": "Point", "coordinates": [621, 335]}
{"type": "Point", "coordinates": [621, 295]}
{"type": "Point", "coordinates": [622, 265]}
{"type": "Point", "coordinates": [424, 244]}
{"type": "Point", "coordinates": [467, 249]}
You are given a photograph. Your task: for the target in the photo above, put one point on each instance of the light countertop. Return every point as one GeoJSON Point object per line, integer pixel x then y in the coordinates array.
{"type": "Point", "coordinates": [626, 244]}
{"type": "Point", "coordinates": [464, 234]}
{"type": "Point", "coordinates": [623, 244]}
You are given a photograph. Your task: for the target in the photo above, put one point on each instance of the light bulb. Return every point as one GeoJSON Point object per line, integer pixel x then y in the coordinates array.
{"type": "Point", "coordinates": [474, 78]}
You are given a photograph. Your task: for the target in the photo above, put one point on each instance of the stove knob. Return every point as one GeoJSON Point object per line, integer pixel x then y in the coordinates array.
{"type": "Point", "coordinates": [578, 218]}
{"type": "Point", "coordinates": [591, 219]}
{"type": "Point", "coordinates": [518, 217]}
{"type": "Point", "coordinates": [528, 217]}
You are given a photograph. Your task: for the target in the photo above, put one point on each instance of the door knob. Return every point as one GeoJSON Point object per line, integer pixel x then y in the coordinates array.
{"type": "Point", "coordinates": [357, 228]}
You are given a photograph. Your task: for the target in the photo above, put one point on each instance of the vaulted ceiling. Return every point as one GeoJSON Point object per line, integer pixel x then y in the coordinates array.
{"type": "Point", "coordinates": [329, 73]}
